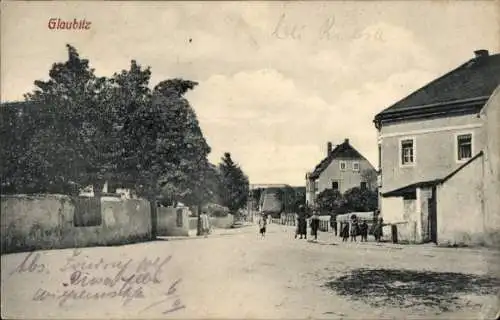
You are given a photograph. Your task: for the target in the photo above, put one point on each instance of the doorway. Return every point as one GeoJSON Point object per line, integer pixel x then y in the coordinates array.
{"type": "Point", "coordinates": [432, 206]}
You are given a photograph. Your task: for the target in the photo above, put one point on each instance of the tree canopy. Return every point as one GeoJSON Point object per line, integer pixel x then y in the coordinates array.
{"type": "Point", "coordinates": [353, 200]}
{"type": "Point", "coordinates": [77, 129]}
{"type": "Point", "coordinates": [234, 186]}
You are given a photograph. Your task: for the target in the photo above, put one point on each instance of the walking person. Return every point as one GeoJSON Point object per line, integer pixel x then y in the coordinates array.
{"type": "Point", "coordinates": [354, 228]}
{"type": "Point", "coordinates": [205, 223]}
{"type": "Point", "coordinates": [302, 225]}
{"type": "Point", "coordinates": [315, 224]}
{"type": "Point", "coordinates": [262, 225]}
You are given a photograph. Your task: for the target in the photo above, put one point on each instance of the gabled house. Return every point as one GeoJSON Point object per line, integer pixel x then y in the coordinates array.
{"type": "Point", "coordinates": [343, 168]}
{"type": "Point", "coordinates": [434, 149]}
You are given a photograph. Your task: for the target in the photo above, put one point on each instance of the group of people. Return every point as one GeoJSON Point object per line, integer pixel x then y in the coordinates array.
{"type": "Point", "coordinates": [352, 229]}
{"type": "Point", "coordinates": [301, 230]}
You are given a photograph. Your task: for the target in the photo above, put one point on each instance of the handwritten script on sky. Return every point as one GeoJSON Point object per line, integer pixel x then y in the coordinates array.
{"type": "Point", "coordinates": [86, 280]}
{"type": "Point", "coordinates": [327, 29]}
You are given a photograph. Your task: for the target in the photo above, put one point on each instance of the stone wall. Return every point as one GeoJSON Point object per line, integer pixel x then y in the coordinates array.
{"type": "Point", "coordinates": [460, 215]}
{"type": "Point", "coordinates": [491, 116]}
{"type": "Point", "coordinates": [215, 222]}
{"type": "Point", "coordinates": [31, 222]}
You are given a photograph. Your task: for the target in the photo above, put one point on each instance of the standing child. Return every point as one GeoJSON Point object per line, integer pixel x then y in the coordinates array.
{"type": "Point", "coordinates": [315, 224]}
{"type": "Point", "coordinates": [354, 227]}
{"type": "Point", "coordinates": [363, 228]}
{"type": "Point", "coordinates": [345, 231]}
{"type": "Point", "coordinates": [262, 225]}
{"type": "Point", "coordinates": [302, 225]}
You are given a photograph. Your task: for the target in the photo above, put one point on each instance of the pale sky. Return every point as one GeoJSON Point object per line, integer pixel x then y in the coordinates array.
{"type": "Point", "coordinates": [271, 96]}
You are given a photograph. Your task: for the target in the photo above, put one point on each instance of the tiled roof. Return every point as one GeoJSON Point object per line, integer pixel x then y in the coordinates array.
{"type": "Point", "coordinates": [342, 151]}
{"type": "Point", "coordinates": [476, 78]}
{"type": "Point", "coordinates": [411, 188]}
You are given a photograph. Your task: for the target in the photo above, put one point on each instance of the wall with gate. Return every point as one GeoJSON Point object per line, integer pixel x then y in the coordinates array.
{"type": "Point", "coordinates": [31, 222]}
{"type": "Point", "coordinates": [173, 221]}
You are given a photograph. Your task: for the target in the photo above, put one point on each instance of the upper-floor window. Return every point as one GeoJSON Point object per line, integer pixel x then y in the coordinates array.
{"type": "Point", "coordinates": [316, 185]}
{"type": "Point", "coordinates": [407, 152]}
{"type": "Point", "coordinates": [343, 165]}
{"type": "Point", "coordinates": [464, 146]}
{"type": "Point", "coordinates": [335, 185]}
{"type": "Point", "coordinates": [355, 166]}
{"type": "Point", "coordinates": [363, 185]}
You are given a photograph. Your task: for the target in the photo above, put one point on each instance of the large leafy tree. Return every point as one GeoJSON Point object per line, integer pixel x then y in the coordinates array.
{"type": "Point", "coordinates": [362, 200]}
{"type": "Point", "coordinates": [234, 187]}
{"type": "Point", "coordinates": [80, 129]}
{"type": "Point", "coordinates": [66, 149]}
{"type": "Point", "coordinates": [288, 197]}
{"type": "Point", "coordinates": [331, 202]}
{"type": "Point", "coordinates": [300, 199]}
{"type": "Point", "coordinates": [256, 197]}
{"type": "Point", "coordinates": [16, 130]}
{"type": "Point", "coordinates": [128, 95]}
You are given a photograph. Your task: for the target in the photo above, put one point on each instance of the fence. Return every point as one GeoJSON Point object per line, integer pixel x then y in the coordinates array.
{"type": "Point", "coordinates": [291, 220]}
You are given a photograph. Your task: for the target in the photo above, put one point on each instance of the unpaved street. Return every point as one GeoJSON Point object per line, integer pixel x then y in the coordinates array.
{"type": "Point", "coordinates": [239, 275]}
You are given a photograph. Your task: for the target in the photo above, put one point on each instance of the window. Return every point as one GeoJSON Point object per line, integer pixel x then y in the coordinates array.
{"type": "Point", "coordinates": [407, 152]}
{"type": "Point", "coordinates": [335, 185]}
{"type": "Point", "coordinates": [343, 165]}
{"type": "Point", "coordinates": [464, 146]}
{"type": "Point", "coordinates": [316, 185]}
{"type": "Point", "coordinates": [355, 166]}
{"type": "Point", "coordinates": [363, 185]}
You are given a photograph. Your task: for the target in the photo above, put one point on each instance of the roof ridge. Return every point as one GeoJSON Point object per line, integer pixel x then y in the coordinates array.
{"type": "Point", "coordinates": [460, 90]}
{"type": "Point", "coordinates": [334, 154]}
{"type": "Point", "coordinates": [428, 84]}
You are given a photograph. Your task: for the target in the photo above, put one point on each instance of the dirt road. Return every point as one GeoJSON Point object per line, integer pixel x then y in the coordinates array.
{"type": "Point", "coordinates": [243, 276]}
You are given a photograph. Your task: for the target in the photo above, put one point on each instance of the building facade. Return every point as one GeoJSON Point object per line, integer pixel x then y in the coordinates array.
{"type": "Point", "coordinates": [342, 169]}
{"type": "Point", "coordinates": [431, 141]}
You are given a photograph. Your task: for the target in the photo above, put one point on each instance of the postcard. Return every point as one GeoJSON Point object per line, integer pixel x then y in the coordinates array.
{"type": "Point", "coordinates": [250, 159]}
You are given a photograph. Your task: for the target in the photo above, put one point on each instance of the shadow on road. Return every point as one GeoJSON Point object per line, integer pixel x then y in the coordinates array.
{"type": "Point", "coordinates": [408, 288]}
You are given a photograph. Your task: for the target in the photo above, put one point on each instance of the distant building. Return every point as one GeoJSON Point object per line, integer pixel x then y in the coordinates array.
{"type": "Point", "coordinates": [436, 150]}
{"type": "Point", "coordinates": [276, 198]}
{"type": "Point", "coordinates": [342, 169]}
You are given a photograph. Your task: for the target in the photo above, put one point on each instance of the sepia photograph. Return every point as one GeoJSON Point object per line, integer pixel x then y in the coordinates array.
{"type": "Point", "coordinates": [250, 159]}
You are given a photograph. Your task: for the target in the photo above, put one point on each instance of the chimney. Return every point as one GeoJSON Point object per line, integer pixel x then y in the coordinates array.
{"type": "Point", "coordinates": [346, 141]}
{"type": "Point", "coordinates": [481, 53]}
{"type": "Point", "coordinates": [328, 148]}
